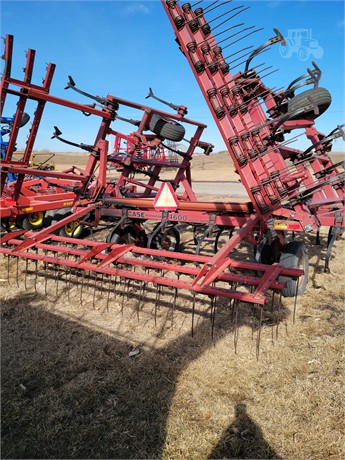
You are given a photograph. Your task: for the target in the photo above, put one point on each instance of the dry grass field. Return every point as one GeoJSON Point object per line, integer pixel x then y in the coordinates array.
{"type": "Point", "coordinates": [86, 378]}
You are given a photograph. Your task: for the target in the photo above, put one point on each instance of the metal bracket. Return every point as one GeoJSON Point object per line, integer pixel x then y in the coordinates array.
{"type": "Point", "coordinates": [208, 230]}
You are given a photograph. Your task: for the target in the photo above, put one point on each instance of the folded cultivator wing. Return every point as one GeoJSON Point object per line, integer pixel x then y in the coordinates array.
{"type": "Point", "coordinates": [288, 189]}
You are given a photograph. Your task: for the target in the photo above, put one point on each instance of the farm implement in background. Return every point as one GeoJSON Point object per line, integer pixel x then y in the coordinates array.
{"type": "Point", "coordinates": [288, 189]}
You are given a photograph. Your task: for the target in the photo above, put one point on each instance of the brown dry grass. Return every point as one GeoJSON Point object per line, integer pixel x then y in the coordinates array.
{"type": "Point", "coordinates": [71, 390]}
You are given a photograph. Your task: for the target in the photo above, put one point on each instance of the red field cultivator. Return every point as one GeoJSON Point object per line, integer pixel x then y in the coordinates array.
{"type": "Point", "coordinates": [288, 189]}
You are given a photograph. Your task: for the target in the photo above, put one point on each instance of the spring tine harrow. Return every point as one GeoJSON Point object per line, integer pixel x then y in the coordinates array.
{"type": "Point", "coordinates": [252, 119]}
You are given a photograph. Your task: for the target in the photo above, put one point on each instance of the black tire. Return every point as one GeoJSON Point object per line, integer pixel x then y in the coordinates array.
{"type": "Point", "coordinates": [32, 221]}
{"type": "Point", "coordinates": [3, 230]}
{"type": "Point", "coordinates": [320, 96]}
{"type": "Point", "coordinates": [269, 253]}
{"type": "Point", "coordinates": [168, 240]}
{"type": "Point", "coordinates": [131, 234]}
{"type": "Point", "coordinates": [266, 255]}
{"type": "Point", "coordinates": [166, 128]}
{"type": "Point", "coordinates": [71, 230]}
{"type": "Point", "coordinates": [294, 255]}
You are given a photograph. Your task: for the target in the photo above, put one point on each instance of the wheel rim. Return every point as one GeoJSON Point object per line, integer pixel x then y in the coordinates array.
{"type": "Point", "coordinates": [72, 228]}
{"type": "Point", "coordinates": [167, 241]}
{"type": "Point", "coordinates": [36, 218]}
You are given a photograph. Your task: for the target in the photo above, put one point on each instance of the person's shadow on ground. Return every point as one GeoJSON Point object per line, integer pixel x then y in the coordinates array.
{"type": "Point", "coordinates": [243, 439]}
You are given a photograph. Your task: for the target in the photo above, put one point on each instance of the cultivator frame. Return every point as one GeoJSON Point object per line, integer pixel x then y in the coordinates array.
{"type": "Point", "coordinates": [281, 198]}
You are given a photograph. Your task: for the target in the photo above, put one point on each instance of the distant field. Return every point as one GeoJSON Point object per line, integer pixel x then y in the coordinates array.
{"type": "Point", "coordinates": [217, 166]}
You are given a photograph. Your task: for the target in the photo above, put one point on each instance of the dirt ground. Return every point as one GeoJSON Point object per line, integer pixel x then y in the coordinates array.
{"type": "Point", "coordinates": [102, 373]}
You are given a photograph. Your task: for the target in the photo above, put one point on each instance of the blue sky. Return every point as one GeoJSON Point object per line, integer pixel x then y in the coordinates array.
{"type": "Point", "coordinates": [124, 47]}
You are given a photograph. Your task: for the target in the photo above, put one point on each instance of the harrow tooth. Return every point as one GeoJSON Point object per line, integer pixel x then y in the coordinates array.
{"type": "Point", "coordinates": [108, 294]}
{"type": "Point", "coordinates": [295, 302]}
{"type": "Point", "coordinates": [173, 306]}
{"type": "Point", "coordinates": [193, 313]}
{"type": "Point", "coordinates": [212, 314]}
{"type": "Point", "coordinates": [82, 287]}
{"type": "Point", "coordinates": [45, 277]}
{"type": "Point", "coordinates": [278, 314]}
{"type": "Point", "coordinates": [57, 279]}
{"type": "Point", "coordinates": [94, 290]}
{"type": "Point", "coordinates": [158, 295]}
{"type": "Point", "coordinates": [124, 292]}
{"type": "Point", "coordinates": [68, 283]}
{"type": "Point", "coordinates": [236, 328]}
{"type": "Point", "coordinates": [26, 272]}
{"type": "Point", "coordinates": [141, 294]}
{"type": "Point", "coordinates": [258, 335]}
{"type": "Point", "coordinates": [114, 288]}
{"type": "Point", "coordinates": [8, 269]}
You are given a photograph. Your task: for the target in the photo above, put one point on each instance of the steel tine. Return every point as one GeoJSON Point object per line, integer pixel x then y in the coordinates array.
{"type": "Point", "coordinates": [69, 284]}
{"type": "Point", "coordinates": [173, 306]}
{"type": "Point", "coordinates": [174, 302]}
{"type": "Point", "coordinates": [244, 36]}
{"type": "Point", "coordinates": [26, 271]}
{"type": "Point", "coordinates": [295, 302]}
{"type": "Point", "coordinates": [236, 329]}
{"type": "Point", "coordinates": [66, 270]}
{"type": "Point", "coordinates": [272, 303]}
{"type": "Point", "coordinates": [82, 287]}
{"type": "Point", "coordinates": [233, 35]}
{"type": "Point", "coordinates": [213, 314]}
{"type": "Point", "coordinates": [269, 73]}
{"type": "Point", "coordinates": [36, 270]}
{"type": "Point", "coordinates": [8, 269]}
{"type": "Point", "coordinates": [108, 296]}
{"type": "Point", "coordinates": [196, 3]}
{"type": "Point", "coordinates": [193, 313]}
{"type": "Point", "coordinates": [219, 16]}
{"type": "Point", "coordinates": [278, 314]}
{"type": "Point", "coordinates": [94, 290]}
{"type": "Point", "coordinates": [141, 294]}
{"type": "Point", "coordinates": [124, 293]}
{"type": "Point", "coordinates": [45, 277]}
{"type": "Point", "coordinates": [258, 336]}
{"type": "Point", "coordinates": [231, 17]}
{"type": "Point", "coordinates": [57, 279]}
{"type": "Point", "coordinates": [114, 288]}
{"type": "Point", "coordinates": [158, 294]}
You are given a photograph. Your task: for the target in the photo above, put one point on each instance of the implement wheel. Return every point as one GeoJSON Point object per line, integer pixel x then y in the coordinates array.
{"type": "Point", "coordinates": [32, 221]}
{"type": "Point", "coordinates": [167, 240]}
{"type": "Point", "coordinates": [320, 96]}
{"type": "Point", "coordinates": [169, 129]}
{"type": "Point", "coordinates": [131, 234]}
{"type": "Point", "coordinates": [294, 255]}
{"type": "Point", "coordinates": [71, 230]}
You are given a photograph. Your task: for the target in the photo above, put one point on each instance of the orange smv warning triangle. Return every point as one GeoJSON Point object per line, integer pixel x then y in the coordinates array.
{"type": "Point", "coordinates": [165, 200]}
